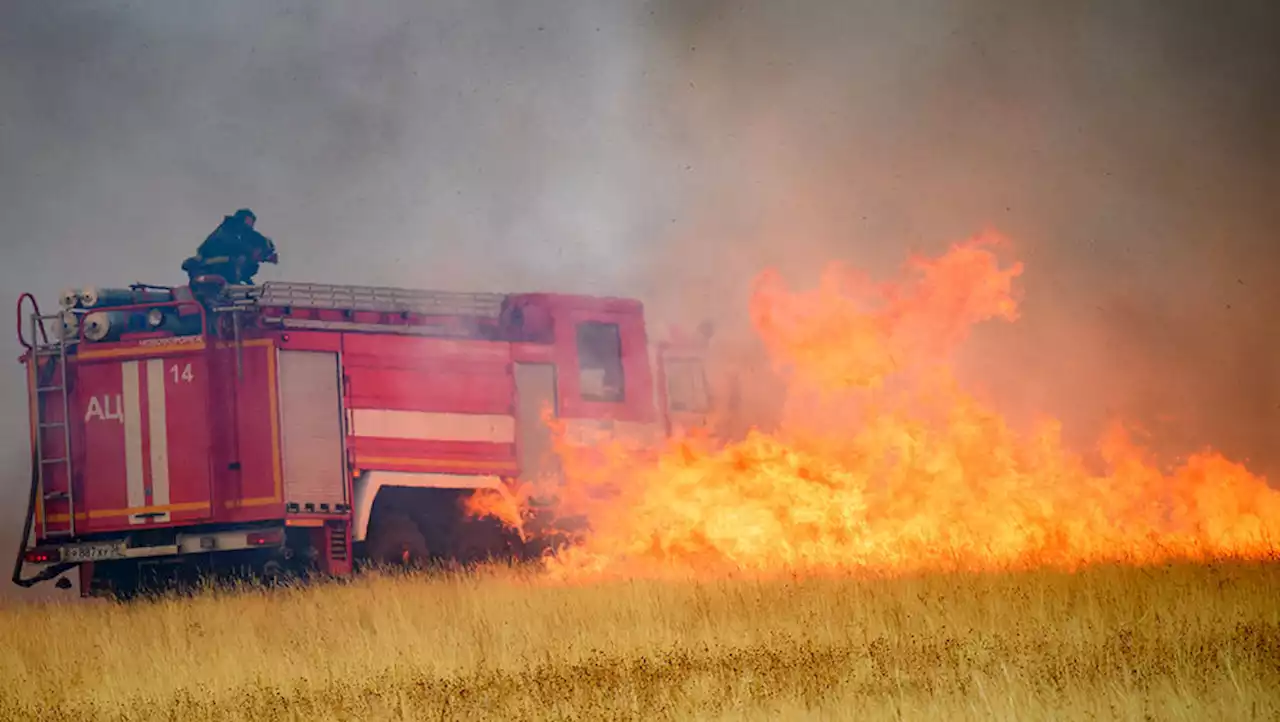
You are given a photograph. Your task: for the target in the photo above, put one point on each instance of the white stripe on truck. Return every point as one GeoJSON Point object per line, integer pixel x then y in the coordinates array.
{"type": "Point", "coordinates": [433, 425]}
{"type": "Point", "coordinates": [158, 430]}
{"type": "Point", "coordinates": [132, 413]}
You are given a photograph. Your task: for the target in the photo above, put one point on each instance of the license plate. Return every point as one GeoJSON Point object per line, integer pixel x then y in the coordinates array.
{"type": "Point", "coordinates": [93, 552]}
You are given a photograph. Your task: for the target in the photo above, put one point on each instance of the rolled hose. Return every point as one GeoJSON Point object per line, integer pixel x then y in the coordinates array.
{"type": "Point", "coordinates": [108, 297]}
{"type": "Point", "coordinates": [105, 325]}
{"type": "Point", "coordinates": [70, 325]}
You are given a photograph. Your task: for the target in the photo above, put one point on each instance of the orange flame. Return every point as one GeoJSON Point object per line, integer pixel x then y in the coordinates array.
{"type": "Point", "coordinates": [499, 503]}
{"type": "Point", "coordinates": [883, 463]}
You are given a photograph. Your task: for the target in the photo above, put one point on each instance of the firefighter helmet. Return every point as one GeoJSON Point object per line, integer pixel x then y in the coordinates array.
{"type": "Point", "coordinates": [246, 216]}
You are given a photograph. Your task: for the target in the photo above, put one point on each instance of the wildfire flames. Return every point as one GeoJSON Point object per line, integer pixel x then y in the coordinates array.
{"type": "Point", "coordinates": [882, 462]}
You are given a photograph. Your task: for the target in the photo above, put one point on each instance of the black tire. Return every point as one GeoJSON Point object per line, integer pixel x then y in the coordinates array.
{"type": "Point", "coordinates": [484, 540]}
{"type": "Point", "coordinates": [395, 539]}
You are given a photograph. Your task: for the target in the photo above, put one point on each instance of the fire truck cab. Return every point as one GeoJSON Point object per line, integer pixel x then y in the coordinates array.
{"type": "Point", "coordinates": [302, 427]}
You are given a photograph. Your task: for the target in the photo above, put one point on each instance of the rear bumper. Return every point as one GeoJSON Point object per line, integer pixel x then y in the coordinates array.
{"type": "Point", "coordinates": [104, 550]}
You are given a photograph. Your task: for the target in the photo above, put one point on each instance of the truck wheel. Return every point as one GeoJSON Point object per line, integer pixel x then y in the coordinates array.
{"type": "Point", "coordinates": [274, 573]}
{"type": "Point", "coordinates": [482, 540]}
{"type": "Point", "coordinates": [396, 540]}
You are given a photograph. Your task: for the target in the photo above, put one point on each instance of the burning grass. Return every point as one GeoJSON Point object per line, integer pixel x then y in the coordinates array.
{"type": "Point", "coordinates": [1112, 642]}
{"type": "Point", "coordinates": [882, 459]}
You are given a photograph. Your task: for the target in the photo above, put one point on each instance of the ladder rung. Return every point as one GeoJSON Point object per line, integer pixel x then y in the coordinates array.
{"type": "Point", "coordinates": [49, 388]}
{"type": "Point", "coordinates": [55, 496]}
{"type": "Point", "coordinates": [52, 424]}
{"type": "Point", "coordinates": [59, 460]}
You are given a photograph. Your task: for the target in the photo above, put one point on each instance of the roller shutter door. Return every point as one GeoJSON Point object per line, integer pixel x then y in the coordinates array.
{"type": "Point", "coordinates": [311, 428]}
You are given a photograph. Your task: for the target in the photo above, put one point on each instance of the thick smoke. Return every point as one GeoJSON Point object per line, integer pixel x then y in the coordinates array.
{"type": "Point", "coordinates": [1129, 151]}
{"type": "Point", "coordinates": [671, 149]}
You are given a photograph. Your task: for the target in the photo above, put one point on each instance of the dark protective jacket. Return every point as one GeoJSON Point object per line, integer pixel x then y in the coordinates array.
{"type": "Point", "coordinates": [234, 250]}
{"type": "Point", "coordinates": [232, 238]}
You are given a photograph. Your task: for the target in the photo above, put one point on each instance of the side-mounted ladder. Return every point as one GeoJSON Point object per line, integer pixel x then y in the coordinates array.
{"type": "Point", "coordinates": [50, 391]}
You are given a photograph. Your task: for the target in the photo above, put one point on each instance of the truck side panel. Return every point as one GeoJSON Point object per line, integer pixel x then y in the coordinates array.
{"type": "Point", "coordinates": [435, 456]}
{"type": "Point", "coordinates": [177, 401]}
{"type": "Point", "coordinates": [251, 482]}
{"type": "Point", "coordinates": [140, 444]}
{"type": "Point", "coordinates": [474, 388]}
{"type": "Point", "coordinates": [430, 404]}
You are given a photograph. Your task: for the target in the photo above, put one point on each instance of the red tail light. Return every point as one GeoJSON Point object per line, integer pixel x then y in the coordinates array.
{"type": "Point", "coordinates": [269, 537]}
{"type": "Point", "coordinates": [41, 556]}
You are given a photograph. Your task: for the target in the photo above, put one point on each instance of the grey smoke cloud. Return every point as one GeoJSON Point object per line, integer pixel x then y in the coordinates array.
{"type": "Point", "coordinates": [671, 149]}
{"type": "Point", "coordinates": [1127, 150]}
{"type": "Point", "coordinates": [496, 136]}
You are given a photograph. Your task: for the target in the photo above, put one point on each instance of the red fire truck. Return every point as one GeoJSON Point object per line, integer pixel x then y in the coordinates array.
{"type": "Point", "coordinates": [289, 427]}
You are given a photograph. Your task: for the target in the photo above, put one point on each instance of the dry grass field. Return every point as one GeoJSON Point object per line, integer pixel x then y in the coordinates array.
{"type": "Point", "coordinates": [1178, 642]}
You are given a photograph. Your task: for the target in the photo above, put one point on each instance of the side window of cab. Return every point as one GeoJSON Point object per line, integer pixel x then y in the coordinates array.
{"type": "Point", "coordinates": [600, 362]}
{"type": "Point", "coordinates": [686, 385]}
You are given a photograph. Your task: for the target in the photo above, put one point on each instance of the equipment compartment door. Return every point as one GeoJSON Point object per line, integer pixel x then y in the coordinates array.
{"type": "Point", "coordinates": [311, 428]}
{"type": "Point", "coordinates": [178, 464]}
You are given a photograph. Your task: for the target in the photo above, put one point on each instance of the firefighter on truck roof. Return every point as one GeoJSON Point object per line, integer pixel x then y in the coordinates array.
{"type": "Point", "coordinates": [233, 251]}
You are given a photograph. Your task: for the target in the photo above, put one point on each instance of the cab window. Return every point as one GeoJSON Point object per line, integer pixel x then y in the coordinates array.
{"type": "Point", "coordinates": [600, 361]}
{"type": "Point", "coordinates": [686, 386]}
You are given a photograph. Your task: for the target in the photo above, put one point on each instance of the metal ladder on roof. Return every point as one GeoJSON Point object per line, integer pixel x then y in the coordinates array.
{"type": "Point", "coordinates": [51, 391]}
{"type": "Point", "coordinates": [380, 299]}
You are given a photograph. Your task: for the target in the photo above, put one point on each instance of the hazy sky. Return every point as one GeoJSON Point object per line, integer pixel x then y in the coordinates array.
{"type": "Point", "coordinates": [670, 149]}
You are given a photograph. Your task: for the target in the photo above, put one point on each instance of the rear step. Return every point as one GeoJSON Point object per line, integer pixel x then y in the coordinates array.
{"type": "Point", "coordinates": [338, 542]}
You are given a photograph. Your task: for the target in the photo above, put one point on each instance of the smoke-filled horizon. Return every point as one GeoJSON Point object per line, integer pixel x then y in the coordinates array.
{"type": "Point", "coordinates": [672, 150]}
{"type": "Point", "coordinates": [1128, 154]}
